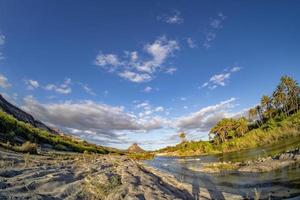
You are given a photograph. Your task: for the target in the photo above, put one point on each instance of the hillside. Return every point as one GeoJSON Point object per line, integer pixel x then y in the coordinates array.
{"type": "Point", "coordinates": [23, 116]}
{"type": "Point", "coordinates": [21, 132]}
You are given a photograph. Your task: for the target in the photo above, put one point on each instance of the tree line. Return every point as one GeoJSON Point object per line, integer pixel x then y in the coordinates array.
{"type": "Point", "coordinates": [284, 101]}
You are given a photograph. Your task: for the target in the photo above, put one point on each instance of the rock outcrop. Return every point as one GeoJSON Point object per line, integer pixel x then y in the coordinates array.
{"type": "Point", "coordinates": [135, 148]}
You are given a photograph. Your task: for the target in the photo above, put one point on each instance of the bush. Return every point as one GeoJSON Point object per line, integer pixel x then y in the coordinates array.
{"type": "Point", "coordinates": [28, 147]}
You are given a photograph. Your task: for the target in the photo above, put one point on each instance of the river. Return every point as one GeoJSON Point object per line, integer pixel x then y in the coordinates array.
{"type": "Point", "coordinates": [279, 184]}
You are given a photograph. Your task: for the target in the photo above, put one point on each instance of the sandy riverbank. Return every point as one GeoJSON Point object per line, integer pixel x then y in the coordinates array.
{"type": "Point", "coordinates": [82, 176]}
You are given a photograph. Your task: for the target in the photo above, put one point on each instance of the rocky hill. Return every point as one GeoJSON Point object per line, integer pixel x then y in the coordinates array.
{"type": "Point", "coordinates": [23, 116]}
{"type": "Point", "coordinates": [135, 148]}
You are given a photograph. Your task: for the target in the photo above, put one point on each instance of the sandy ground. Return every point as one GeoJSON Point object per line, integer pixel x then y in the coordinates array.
{"type": "Point", "coordinates": [83, 176]}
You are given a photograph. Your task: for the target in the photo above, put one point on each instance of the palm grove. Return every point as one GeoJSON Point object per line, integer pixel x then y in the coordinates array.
{"type": "Point", "coordinates": [284, 101]}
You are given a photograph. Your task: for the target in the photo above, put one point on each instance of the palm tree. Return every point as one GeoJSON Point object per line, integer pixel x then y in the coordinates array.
{"type": "Point", "coordinates": [266, 104]}
{"type": "Point", "coordinates": [291, 89]}
{"type": "Point", "coordinates": [279, 98]}
{"type": "Point", "coordinates": [182, 136]}
{"type": "Point", "coordinates": [241, 127]}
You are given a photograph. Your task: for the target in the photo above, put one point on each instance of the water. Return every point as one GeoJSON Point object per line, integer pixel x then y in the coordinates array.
{"type": "Point", "coordinates": [280, 184]}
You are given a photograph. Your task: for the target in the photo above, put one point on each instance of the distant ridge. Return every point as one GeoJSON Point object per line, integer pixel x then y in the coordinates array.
{"type": "Point", "coordinates": [135, 148]}
{"type": "Point", "coordinates": [23, 116]}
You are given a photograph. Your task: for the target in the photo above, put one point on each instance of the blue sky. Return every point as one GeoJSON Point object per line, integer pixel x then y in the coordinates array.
{"type": "Point", "coordinates": [115, 73]}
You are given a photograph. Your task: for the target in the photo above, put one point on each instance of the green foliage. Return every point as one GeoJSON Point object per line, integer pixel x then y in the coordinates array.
{"type": "Point", "coordinates": [26, 147]}
{"type": "Point", "coordinates": [228, 128]}
{"type": "Point", "coordinates": [278, 129]}
{"type": "Point", "coordinates": [11, 128]}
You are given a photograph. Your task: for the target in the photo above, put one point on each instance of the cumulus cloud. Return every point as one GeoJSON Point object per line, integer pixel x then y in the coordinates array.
{"type": "Point", "coordinates": [174, 17]}
{"type": "Point", "coordinates": [104, 60]}
{"type": "Point", "coordinates": [135, 77]}
{"type": "Point", "coordinates": [90, 117]}
{"type": "Point", "coordinates": [146, 111]}
{"type": "Point", "coordinates": [214, 26]}
{"type": "Point", "coordinates": [137, 68]}
{"type": "Point", "coordinates": [205, 118]}
{"type": "Point", "coordinates": [220, 79]}
{"type": "Point", "coordinates": [63, 88]}
{"type": "Point", "coordinates": [4, 82]}
{"type": "Point", "coordinates": [32, 84]}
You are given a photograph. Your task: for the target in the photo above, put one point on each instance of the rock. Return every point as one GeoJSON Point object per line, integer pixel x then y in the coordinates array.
{"type": "Point", "coordinates": [285, 156]}
{"type": "Point", "coordinates": [297, 157]}
{"type": "Point", "coordinates": [135, 148]}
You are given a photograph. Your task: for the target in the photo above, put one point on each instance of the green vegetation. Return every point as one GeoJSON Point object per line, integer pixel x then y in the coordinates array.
{"type": "Point", "coordinates": [26, 147]}
{"type": "Point", "coordinates": [229, 128]}
{"type": "Point", "coordinates": [275, 119]}
{"type": "Point", "coordinates": [16, 132]}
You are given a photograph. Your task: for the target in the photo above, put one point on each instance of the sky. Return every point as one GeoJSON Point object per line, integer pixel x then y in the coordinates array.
{"type": "Point", "coordinates": [115, 72]}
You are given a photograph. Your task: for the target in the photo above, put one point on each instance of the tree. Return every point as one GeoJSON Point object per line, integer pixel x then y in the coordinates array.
{"type": "Point", "coordinates": [228, 128]}
{"type": "Point", "coordinates": [291, 90]}
{"type": "Point", "coordinates": [182, 136]}
{"type": "Point", "coordinates": [279, 98]}
{"type": "Point", "coordinates": [266, 104]}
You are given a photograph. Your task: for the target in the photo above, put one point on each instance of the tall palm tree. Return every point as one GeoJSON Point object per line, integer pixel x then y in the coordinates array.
{"type": "Point", "coordinates": [291, 89]}
{"type": "Point", "coordinates": [266, 104]}
{"type": "Point", "coordinates": [279, 98]}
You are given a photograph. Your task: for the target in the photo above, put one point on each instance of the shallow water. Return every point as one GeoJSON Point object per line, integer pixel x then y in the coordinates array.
{"type": "Point", "coordinates": [279, 184]}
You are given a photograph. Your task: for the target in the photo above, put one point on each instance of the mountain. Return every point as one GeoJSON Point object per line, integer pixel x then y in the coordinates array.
{"type": "Point", "coordinates": [135, 148]}
{"type": "Point", "coordinates": [23, 116]}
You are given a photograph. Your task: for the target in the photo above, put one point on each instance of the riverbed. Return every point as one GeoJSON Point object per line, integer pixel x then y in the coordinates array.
{"type": "Point", "coordinates": [283, 183]}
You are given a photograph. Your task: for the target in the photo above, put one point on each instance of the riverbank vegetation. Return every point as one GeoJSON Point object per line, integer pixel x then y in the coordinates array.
{"type": "Point", "coordinates": [276, 118]}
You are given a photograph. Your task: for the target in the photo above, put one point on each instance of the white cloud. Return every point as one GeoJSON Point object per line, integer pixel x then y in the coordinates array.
{"type": "Point", "coordinates": [220, 79]}
{"type": "Point", "coordinates": [135, 77]}
{"type": "Point", "coordinates": [215, 25]}
{"type": "Point", "coordinates": [205, 118]}
{"type": "Point", "coordinates": [4, 82]}
{"type": "Point", "coordinates": [87, 89]}
{"type": "Point", "coordinates": [32, 84]}
{"type": "Point", "coordinates": [171, 70]}
{"type": "Point", "coordinates": [89, 117]}
{"type": "Point", "coordinates": [107, 60]}
{"type": "Point", "coordinates": [63, 88]}
{"type": "Point", "coordinates": [191, 43]}
{"type": "Point", "coordinates": [235, 69]}
{"type": "Point", "coordinates": [146, 110]}
{"type": "Point", "coordinates": [137, 68]}
{"type": "Point", "coordinates": [159, 109]}
{"type": "Point", "coordinates": [148, 89]}
{"type": "Point", "coordinates": [173, 18]}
